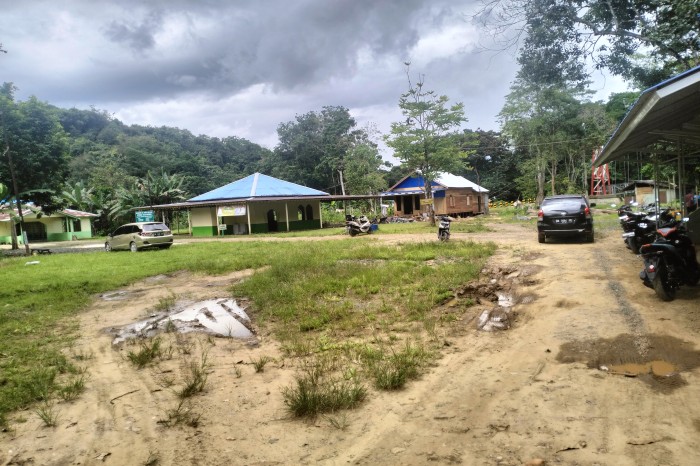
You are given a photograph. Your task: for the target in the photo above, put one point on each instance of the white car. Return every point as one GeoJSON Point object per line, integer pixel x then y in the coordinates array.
{"type": "Point", "coordinates": [142, 235]}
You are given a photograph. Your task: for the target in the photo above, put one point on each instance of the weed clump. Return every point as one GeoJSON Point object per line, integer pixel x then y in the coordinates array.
{"type": "Point", "coordinates": [317, 391]}
{"type": "Point", "coordinates": [148, 352]}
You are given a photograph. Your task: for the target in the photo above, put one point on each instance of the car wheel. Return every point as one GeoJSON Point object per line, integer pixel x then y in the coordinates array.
{"type": "Point", "coordinates": [108, 247]}
{"type": "Point", "coordinates": [589, 237]}
{"type": "Point", "coordinates": [540, 237]}
{"type": "Point", "coordinates": [132, 247]}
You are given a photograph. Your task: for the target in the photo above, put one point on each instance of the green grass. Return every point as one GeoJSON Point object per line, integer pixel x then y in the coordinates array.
{"type": "Point", "coordinates": [306, 288]}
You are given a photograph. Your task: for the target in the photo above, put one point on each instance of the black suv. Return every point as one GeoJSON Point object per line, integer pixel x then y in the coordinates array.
{"type": "Point", "coordinates": [565, 215]}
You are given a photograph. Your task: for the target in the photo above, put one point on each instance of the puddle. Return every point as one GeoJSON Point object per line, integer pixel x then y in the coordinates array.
{"type": "Point", "coordinates": [655, 368]}
{"type": "Point", "coordinates": [221, 317]}
{"type": "Point", "coordinates": [661, 365]}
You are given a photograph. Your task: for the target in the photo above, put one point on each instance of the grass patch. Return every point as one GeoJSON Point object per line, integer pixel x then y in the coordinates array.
{"type": "Point", "coordinates": [48, 413]}
{"type": "Point", "coordinates": [196, 378]}
{"type": "Point", "coordinates": [260, 363]}
{"type": "Point", "coordinates": [317, 390]}
{"type": "Point", "coordinates": [306, 289]}
{"type": "Point", "coordinates": [149, 351]}
{"type": "Point", "coordinates": [180, 414]}
{"type": "Point", "coordinates": [71, 390]}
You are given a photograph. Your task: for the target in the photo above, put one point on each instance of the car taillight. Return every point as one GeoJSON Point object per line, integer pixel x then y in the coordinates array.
{"type": "Point", "coordinates": [540, 214]}
{"type": "Point", "coordinates": [146, 233]}
{"type": "Point", "coordinates": [587, 211]}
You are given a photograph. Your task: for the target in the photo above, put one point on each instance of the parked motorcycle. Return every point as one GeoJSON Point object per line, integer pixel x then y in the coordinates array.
{"type": "Point", "coordinates": [640, 227]}
{"type": "Point", "coordinates": [355, 226]}
{"type": "Point", "coordinates": [444, 228]}
{"type": "Point", "coordinates": [670, 262]}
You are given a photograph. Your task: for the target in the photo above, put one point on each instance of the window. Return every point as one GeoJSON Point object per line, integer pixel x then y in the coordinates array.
{"type": "Point", "coordinates": [452, 200]}
{"type": "Point", "coordinates": [398, 203]}
{"type": "Point", "coordinates": [309, 212]}
{"type": "Point", "coordinates": [301, 215]}
{"type": "Point", "coordinates": [77, 225]}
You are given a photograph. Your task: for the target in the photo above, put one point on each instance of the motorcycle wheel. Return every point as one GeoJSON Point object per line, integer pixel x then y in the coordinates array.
{"type": "Point", "coordinates": [661, 286]}
{"type": "Point", "coordinates": [353, 232]}
{"type": "Point", "coordinates": [443, 236]}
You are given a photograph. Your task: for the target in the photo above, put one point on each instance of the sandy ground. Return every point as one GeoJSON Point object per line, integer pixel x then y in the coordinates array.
{"type": "Point", "coordinates": [535, 391]}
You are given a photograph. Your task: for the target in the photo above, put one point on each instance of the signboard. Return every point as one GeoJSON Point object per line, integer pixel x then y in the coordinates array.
{"type": "Point", "coordinates": [222, 227]}
{"type": "Point", "coordinates": [145, 216]}
{"type": "Point", "coordinates": [231, 211]}
{"type": "Point", "coordinates": [424, 202]}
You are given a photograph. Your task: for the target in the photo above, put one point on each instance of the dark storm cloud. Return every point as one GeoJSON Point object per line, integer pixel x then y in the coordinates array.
{"type": "Point", "coordinates": [224, 47]}
{"type": "Point", "coordinates": [138, 37]}
{"type": "Point", "coordinates": [243, 67]}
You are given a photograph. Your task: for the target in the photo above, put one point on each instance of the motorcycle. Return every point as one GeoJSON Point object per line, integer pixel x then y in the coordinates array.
{"type": "Point", "coordinates": [670, 262]}
{"type": "Point", "coordinates": [355, 226]}
{"type": "Point", "coordinates": [640, 227]}
{"type": "Point", "coordinates": [444, 228]}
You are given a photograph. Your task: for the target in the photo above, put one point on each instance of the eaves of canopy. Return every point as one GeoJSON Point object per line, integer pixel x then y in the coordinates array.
{"type": "Point", "coordinates": [664, 120]}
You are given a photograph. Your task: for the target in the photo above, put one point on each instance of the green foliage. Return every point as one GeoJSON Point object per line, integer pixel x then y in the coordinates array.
{"type": "Point", "coordinates": [317, 149]}
{"type": "Point", "coordinates": [260, 363]}
{"type": "Point", "coordinates": [148, 352]}
{"type": "Point", "coordinates": [644, 42]}
{"type": "Point", "coordinates": [48, 413]}
{"type": "Point", "coordinates": [555, 132]}
{"type": "Point", "coordinates": [196, 378]}
{"type": "Point", "coordinates": [32, 146]}
{"type": "Point", "coordinates": [426, 141]}
{"type": "Point", "coordinates": [317, 391]}
{"type": "Point", "coordinates": [392, 372]}
{"type": "Point", "coordinates": [181, 414]}
{"type": "Point", "coordinates": [347, 281]}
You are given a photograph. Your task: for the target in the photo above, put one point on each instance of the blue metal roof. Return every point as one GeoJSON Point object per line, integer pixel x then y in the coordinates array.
{"type": "Point", "coordinates": [257, 185]}
{"type": "Point", "coordinates": [413, 184]}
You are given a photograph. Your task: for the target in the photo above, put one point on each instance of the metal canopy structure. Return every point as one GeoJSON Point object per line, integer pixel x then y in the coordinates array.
{"type": "Point", "coordinates": [665, 120]}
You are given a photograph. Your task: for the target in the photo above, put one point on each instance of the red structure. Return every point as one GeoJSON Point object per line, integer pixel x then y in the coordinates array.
{"type": "Point", "coordinates": [600, 176]}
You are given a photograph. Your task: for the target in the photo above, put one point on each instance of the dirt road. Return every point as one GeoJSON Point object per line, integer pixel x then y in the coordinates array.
{"type": "Point", "coordinates": [549, 388]}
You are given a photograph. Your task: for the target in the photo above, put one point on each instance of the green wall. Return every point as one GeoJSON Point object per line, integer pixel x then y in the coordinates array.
{"type": "Point", "coordinates": [261, 228]}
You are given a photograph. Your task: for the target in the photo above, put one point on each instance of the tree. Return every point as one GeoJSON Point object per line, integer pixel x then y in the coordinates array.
{"type": "Point", "coordinates": [312, 149]}
{"type": "Point", "coordinates": [33, 150]}
{"type": "Point", "coordinates": [493, 164]}
{"type": "Point", "coordinates": [153, 189]}
{"type": "Point", "coordinates": [427, 140]}
{"type": "Point", "coordinates": [553, 131]}
{"type": "Point", "coordinates": [643, 41]}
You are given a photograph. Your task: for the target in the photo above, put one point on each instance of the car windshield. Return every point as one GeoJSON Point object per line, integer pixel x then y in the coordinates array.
{"type": "Point", "coordinates": [562, 204]}
{"type": "Point", "coordinates": [155, 227]}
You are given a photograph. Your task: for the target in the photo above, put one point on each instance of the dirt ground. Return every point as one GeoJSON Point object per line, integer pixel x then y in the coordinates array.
{"type": "Point", "coordinates": [551, 388]}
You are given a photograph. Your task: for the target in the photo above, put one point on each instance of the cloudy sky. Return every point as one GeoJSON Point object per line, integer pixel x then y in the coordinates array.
{"type": "Point", "coordinates": [242, 67]}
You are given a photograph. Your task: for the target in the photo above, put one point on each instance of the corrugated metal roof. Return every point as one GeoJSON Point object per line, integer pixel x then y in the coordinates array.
{"type": "Point", "coordinates": [255, 186]}
{"type": "Point", "coordinates": [669, 111]}
{"type": "Point", "coordinates": [449, 180]}
{"type": "Point", "coordinates": [414, 184]}
{"type": "Point", "coordinates": [27, 213]}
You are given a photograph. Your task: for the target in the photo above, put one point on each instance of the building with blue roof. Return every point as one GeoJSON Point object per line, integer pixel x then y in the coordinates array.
{"type": "Point", "coordinates": [255, 204]}
{"type": "Point", "coordinates": [451, 195]}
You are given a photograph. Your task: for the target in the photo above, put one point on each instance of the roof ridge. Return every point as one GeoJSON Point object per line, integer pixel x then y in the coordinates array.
{"type": "Point", "coordinates": [255, 184]}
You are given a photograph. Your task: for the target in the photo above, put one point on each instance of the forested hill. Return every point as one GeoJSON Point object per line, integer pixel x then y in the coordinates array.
{"type": "Point", "coordinates": [105, 154]}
